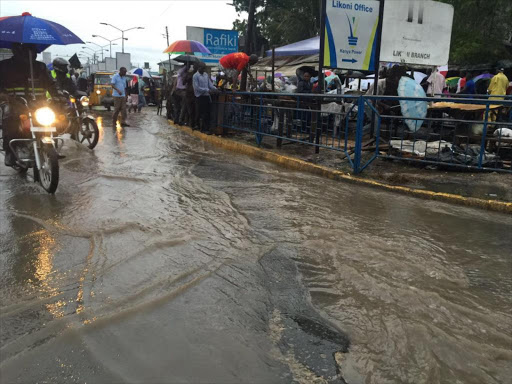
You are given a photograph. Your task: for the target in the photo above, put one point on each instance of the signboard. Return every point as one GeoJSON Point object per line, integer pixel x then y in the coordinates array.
{"type": "Point", "coordinates": [110, 64]}
{"type": "Point", "coordinates": [416, 32]}
{"type": "Point", "coordinates": [123, 60]}
{"type": "Point", "coordinates": [220, 42]}
{"type": "Point", "coordinates": [351, 34]}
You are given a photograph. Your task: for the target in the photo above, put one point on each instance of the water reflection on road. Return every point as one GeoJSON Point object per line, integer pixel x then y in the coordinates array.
{"type": "Point", "coordinates": [161, 259]}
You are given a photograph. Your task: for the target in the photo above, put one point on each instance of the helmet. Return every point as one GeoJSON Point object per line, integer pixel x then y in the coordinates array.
{"type": "Point", "coordinates": [60, 65]}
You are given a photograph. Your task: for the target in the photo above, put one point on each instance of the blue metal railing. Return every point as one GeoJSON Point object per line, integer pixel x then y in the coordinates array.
{"type": "Point", "coordinates": [343, 123]}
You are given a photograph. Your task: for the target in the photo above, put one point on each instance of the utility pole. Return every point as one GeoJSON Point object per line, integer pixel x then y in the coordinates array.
{"type": "Point", "coordinates": [167, 35]}
{"type": "Point", "coordinates": [248, 40]}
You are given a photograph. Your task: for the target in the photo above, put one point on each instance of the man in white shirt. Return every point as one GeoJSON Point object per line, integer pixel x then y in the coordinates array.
{"type": "Point", "coordinates": [203, 86]}
{"type": "Point", "coordinates": [436, 83]}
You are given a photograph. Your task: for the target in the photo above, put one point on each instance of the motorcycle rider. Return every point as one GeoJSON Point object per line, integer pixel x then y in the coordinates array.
{"type": "Point", "coordinates": [62, 77]}
{"type": "Point", "coordinates": [15, 81]}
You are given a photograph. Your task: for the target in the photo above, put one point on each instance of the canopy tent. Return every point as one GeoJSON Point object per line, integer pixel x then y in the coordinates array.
{"type": "Point", "coordinates": [300, 48]}
{"type": "Point", "coordinates": [286, 65]}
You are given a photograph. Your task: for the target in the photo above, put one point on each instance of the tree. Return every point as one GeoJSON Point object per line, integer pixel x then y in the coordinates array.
{"type": "Point", "coordinates": [480, 28]}
{"type": "Point", "coordinates": [280, 22]}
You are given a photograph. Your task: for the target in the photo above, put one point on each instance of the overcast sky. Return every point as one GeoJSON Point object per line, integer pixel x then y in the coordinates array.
{"type": "Point", "coordinates": [84, 17]}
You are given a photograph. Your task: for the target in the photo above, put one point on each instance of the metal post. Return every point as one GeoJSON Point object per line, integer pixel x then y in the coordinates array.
{"type": "Point", "coordinates": [273, 67]}
{"type": "Point", "coordinates": [248, 40]}
{"type": "Point", "coordinates": [32, 74]}
{"type": "Point", "coordinates": [167, 34]}
{"type": "Point", "coordinates": [484, 135]}
{"type": "Point", "coordinates": [321, 82]}
{"type": "Point", "coordinates": [377, 63]}
{"type": "Point", "coordinates": [359, 135]}
{"type": "Point", "coordinates": [111, 49]}
{"type": "Point", "coordinates": [122, 39]}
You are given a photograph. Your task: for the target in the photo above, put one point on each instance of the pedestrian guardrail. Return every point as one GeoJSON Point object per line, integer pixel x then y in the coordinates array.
{"type": "Point", "coordinates": [460, 132]}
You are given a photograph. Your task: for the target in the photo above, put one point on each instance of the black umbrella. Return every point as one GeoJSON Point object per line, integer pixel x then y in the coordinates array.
{"type": "Point", "coordinates": [187, 59]}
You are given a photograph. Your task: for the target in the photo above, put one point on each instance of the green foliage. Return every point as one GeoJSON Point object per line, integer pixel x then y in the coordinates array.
{"type": "Point", "coordinates": [480, 28]}
{"type": "Point", "coordinates": [280, 22]}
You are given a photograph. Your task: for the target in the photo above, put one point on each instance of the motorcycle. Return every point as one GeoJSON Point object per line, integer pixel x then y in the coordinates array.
{"type": "Point", "coordinates": [82, 127]}
{"type": "Point", "coordinates": [40, 150]}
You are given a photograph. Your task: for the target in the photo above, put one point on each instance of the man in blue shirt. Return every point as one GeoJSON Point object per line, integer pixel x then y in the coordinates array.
{"type": "Point", "coordinates": [119, 95]}
{"type": "Point", "coordinates": [202, 87]}
{"type": "Point", "coordinates": [469, 88]}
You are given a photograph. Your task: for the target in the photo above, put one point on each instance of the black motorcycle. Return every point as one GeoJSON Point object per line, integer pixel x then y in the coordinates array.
{"type": "Point", "coordinates": [77, 123]}
{"type": "Point", "coordinates": [36, 146]}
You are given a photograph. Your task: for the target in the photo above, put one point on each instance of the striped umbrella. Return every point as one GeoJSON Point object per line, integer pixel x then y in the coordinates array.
{"type": "Point", "coordinates": [188, 47]}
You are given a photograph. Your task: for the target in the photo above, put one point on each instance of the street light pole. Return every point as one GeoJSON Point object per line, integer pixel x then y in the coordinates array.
{"type": "Point", "coordinates": [122, 31]}
{"type": "Point", "coordinates": [110, 41]}
{"type": "Point", "coordinates": [93, 51]}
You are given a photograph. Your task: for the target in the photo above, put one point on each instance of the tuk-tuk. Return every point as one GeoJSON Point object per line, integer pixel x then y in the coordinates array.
{"type": "Point", "coordinates": [101, 93]}
{"type": "Point", "coordinates": [153, 89]}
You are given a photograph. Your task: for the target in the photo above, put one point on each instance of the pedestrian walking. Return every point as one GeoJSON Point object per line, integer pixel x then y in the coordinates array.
{"type": "Point", "coordinates": [203, 86]}
{"type": "Point", "coordinates": [180, 94]}
{"type": "Point", "coordinates": [142, 98]}
{"type": "Point", "coordinates": [82, 82]}
{"type": "Point", "coordinates": [133, 98]}
{"type": "Point", "coordinates": [119, 95]}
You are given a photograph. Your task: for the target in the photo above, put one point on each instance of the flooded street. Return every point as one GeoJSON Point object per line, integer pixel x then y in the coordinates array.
{"type": "Point", "coordinates": [161, 259]}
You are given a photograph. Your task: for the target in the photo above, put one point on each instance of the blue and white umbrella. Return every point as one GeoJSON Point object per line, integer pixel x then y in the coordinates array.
{"type": "Point", "coordinates": [141, 72]}
{"type": "Point", "coordinates": [407, 87]}
{"type": "Point", "coordinates": [33, 30]}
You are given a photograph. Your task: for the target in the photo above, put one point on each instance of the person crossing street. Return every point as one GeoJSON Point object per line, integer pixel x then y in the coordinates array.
{"type": "Point", "coordinates": [119, 95]}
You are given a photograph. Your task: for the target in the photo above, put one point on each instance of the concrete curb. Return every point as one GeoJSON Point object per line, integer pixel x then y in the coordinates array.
{"type": "Point", "coordinates": [301, 165]}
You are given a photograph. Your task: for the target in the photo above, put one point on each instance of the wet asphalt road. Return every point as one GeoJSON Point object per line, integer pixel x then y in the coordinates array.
{"type": "Point", "coordinates": [163, 260]}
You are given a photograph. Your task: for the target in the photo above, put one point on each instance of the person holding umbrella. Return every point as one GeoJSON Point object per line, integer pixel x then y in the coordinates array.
{"type": "Point", "coordinates": [15, 81]}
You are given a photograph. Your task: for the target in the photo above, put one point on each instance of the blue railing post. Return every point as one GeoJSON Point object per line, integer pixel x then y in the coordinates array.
{"type": "Point", "coordinates": [259, 137]}
{"type": "Point", "coordinates": [484, 134]}
{"type": "Point", "coordinates": [359, 135]}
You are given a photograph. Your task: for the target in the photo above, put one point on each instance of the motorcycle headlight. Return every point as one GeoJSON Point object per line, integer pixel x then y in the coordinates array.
{"type": "Point", "coordinates": [98, 92]}
{"type": "Point", "coordinates": [45, 116]}
{"type": "Point", "coordinates": [84, 100]}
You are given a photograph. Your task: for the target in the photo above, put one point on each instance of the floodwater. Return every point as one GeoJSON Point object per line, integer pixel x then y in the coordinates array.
{"type": "Point", "coordinates": [161, 259]}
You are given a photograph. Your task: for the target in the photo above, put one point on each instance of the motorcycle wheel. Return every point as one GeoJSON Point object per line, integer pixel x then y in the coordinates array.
{"type": "Point", "coordinates": [88, 134]}
{"type": "Point", "coordinates": [48, 176]}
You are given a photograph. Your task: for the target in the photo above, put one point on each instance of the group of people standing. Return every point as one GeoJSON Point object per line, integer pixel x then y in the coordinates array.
{"type": "Point", "coordinates": [191, 97]}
